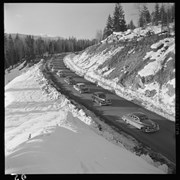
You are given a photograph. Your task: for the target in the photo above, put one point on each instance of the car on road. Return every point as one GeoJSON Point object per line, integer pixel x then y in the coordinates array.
{"type": "Point", "coordinates": [60, 73]}
{"type": "Point", "coordinates": [69, 80]}
{"type": "Point", "coordinates": [100, 98]}
{"type": "Point", "coordinates": [141, 121]}
{"type": "Point", "coordinates": [81, 87]}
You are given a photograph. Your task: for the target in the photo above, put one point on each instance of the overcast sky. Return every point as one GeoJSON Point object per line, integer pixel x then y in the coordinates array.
{"type": "Point", "coordinates": [80, 20]}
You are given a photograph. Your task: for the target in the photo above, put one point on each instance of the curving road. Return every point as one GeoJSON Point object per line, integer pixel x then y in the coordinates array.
{"type": "Point", "coordinates": [162, 141]}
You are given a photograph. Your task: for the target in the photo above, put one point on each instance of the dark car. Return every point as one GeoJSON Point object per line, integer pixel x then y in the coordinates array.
{"type": "Point", "coordinates": [69, 80]}
{"type": "Point", "coordinates": [141, 121]}
{"type": "Point", "coordinates": [100, 98]}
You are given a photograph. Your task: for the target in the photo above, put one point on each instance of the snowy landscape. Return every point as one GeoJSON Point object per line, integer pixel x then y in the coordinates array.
{"type": "Point", "coordinates": [77, 103]}
{"type": "Point", "coordinates": [61, 140]}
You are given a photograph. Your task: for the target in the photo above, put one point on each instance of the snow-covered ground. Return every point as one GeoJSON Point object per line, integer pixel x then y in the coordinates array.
{"type": "Point", "coordinates": [137, 33]}
{"type": "Point", "coordinates": [45, 133]}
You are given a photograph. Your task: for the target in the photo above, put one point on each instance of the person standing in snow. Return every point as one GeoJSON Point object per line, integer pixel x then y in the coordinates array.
{"type": "Point", "coordinates": [29, 136]}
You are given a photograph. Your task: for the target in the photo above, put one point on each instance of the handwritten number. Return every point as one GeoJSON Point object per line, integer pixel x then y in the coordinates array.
{"type": "Point", "coordinates": [23, 177]}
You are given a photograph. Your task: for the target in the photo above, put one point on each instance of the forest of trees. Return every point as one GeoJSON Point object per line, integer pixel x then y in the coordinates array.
{"type": "Point", "coordinates": [28, 48]}
{"type": "Point", "coordinates": [18, 48]}
{"type": "Point", "coordinates": [117, 22]}
{"type": "Point", "coordinates": [160, 14]}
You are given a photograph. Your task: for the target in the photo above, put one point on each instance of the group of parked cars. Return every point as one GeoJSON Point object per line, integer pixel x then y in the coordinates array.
{"type": "Point", "coordinates": [137, 119]}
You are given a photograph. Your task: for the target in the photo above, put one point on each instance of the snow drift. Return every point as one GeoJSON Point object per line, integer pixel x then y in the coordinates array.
{"type": "Point", "coordinates": [45, 133]}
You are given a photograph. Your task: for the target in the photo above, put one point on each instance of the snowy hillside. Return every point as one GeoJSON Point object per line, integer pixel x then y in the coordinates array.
{"type": "Point", "coordinates": [45, 133]}
{"type": "Point", "coordinates": [138, 65]}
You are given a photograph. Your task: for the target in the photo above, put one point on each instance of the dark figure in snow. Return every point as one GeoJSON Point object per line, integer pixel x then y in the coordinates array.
{"type": "Point", "coordinates": [29, 136]}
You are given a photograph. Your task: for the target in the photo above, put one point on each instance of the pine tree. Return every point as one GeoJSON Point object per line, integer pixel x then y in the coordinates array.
{"type": "Point", "coordinates": [153, 20]}
{"type": "Point", "coordinates": [173, 12]}
{"type": "Point", "coordinates": [141, 20]}
{"type": "Point", "coordinates": [163, 15]}
{"type": "Point", "coordinates": [51, 47]}
{"type": "Point", "coordinates": [119, 23]}
{"type": "Point", "coordinates": [30, 53]}
{"type": "Point", "coordinates": [11, 51]}
{"type": "Point", "coordinates": [131, 25]}
{"type": "Point", "coordinates": [6, 51]}
{"type": "Point", "coordinates": [156, 14]}
{"type": "Point", "coordinates": [145, 17]}
{"type": "Point", "coordinates": [18, 44]}
{"type": "Point", "coordinates": [108, 30]}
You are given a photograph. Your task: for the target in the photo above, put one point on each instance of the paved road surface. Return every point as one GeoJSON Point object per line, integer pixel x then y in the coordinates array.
{"type": "Point", "coordinates": [162, 141]}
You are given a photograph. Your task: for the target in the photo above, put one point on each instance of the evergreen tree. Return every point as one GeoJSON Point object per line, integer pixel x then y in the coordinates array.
{"type": "Point", "coordinates": [173, 12]}
{"type": "Point", "coordinates": [141, 20]}
{"type": "Point", "coordinates": [119, 23]}
{"type": "Point", "coordinates": [156, 14]}
{"type": "Point", "coordinates": [131, 25]}
{"type": "Point", "coordinates": [145, 17]}
{"type": "Point", "coordinates": [163, 15]}
{"type": "Point", "coordinates": [18, 44]}
{"type": "Point", "coordinates": [30, 53]}
{"type": "Point", "coordinates": [6, 55]}
{"type": "Point", "coordinates": [51, 47]}
{"type": "Point", "coordinates": [108, 30]}
{"type": "Point", "coordinates": [170, 13]}
{"type": "Point", "coordinates": [11, 51]}
{"type": "Point", "coordinates": [153, 18]}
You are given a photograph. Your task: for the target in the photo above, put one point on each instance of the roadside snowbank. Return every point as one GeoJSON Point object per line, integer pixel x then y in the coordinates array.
{"type": "Point", "coordinates": [43, 134]}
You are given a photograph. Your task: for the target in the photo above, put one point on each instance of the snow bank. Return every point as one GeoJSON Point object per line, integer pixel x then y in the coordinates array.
{"type": "Point", "coordinates": [27, 94]}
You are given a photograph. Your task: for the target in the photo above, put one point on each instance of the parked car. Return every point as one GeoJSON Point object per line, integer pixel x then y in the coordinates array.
{"type": "Point", "coordinates": [100, 98]}
{"type": "Point", "coordinates": [60, 73]}
{"type": "Point", "coordinates": [69, 80]}
{"type": "Point", "coordinates": [141, 121]}
{"type": "Point", "coordinates": [81, 87]}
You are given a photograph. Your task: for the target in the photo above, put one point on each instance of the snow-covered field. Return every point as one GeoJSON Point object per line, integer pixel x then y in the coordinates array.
{"type": "Point", "coordinates": [45, 133]}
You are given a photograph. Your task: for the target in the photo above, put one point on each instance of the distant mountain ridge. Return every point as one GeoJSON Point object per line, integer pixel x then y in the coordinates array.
{"type": "Point", "coordinates": [44, 37]}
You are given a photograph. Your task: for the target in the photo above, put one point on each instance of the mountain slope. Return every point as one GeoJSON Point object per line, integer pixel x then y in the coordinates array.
{"type": "Point", "coordinates": [138, 65]}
